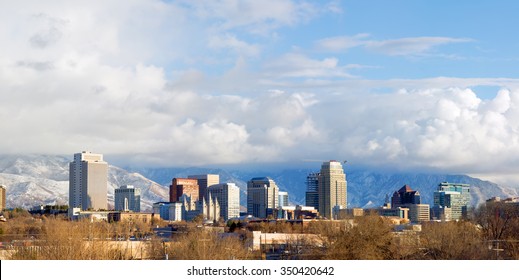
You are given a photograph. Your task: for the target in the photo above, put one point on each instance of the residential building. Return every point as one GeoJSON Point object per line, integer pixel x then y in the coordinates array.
{"type": "Point", "coordinates": [283, 199]}
{"type": "Point", "coordinates": [262, 197]}
{"type": "Point", "coordinates": [127, 198]}
{"type": "Point", "coordinates": [228, 196]}
{"type": "Point", "coordinates": [88, 182]}
{"type": "Point", "coordinates": [312, 186]}
{"type": "Point", "coordinates": [332, 189]}
{"type": "Point", "coordinates": [455, 196]}
{"type": "Point", "coordinates": [204, 181]}
{"type": "Point", "coordinates": [181, 186]}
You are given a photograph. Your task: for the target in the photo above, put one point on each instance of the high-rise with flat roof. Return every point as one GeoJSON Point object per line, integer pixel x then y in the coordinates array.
{"type": "Point", "coordinates": [312, 186]}
{"type": "Point", "coordinates": [180, 186]}
{"type": "Point", "coordinates": [127, 198]}
{"type": "Point", "coordinates": [332, 189]}
{"type": "Point", "coordinates": [204, 181]}
{"type": "Point", "coordinates": [283, 199]}
{"type": "Point", "coordinates": [455, 196]}
{"type": "Point", "coordinates": [88, 182]}
{"type": "Point", "coordinates": [262, 197]}
{"type": "Point", "coordinates": [228, 196]}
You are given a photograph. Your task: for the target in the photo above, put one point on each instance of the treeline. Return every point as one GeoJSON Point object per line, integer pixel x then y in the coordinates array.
{"type": "Point", "coordinates": [491, 233]}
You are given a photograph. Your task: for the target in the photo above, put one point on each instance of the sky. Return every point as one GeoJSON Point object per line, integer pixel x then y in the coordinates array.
{"type": "Point", "coordinates": [405, 85]}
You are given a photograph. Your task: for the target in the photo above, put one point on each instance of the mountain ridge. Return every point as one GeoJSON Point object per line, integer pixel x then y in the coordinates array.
{"type": "Point", "coordinates": [43, 179]}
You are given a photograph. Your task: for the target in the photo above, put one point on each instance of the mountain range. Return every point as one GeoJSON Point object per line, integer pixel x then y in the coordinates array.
{"type": "Point", "coordinates": [43, 179]}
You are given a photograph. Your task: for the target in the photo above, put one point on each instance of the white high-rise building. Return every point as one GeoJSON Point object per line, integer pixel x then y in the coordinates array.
{"type": "Point", "coordinates": [332, 189]}
{"type": "Point", "coordinates": [127, 198]}
{"type": "Point", "coordinates": [88, 182]}
{"type": "Point", "coordinates": [283, 199]}
{"type": "Point", "coordinates": [228, 196]}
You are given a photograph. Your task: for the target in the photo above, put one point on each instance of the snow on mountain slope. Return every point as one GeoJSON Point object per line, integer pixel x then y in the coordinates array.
{"type": "Point", "coordinates": [41, 179]}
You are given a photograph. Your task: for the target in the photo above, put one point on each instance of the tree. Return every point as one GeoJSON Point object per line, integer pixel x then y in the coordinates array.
{"type": "Point", "coordinates": [451, 241]}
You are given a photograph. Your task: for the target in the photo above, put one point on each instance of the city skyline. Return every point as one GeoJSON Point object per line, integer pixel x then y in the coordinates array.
{"type": "Point", "coordinates": [162, 83]}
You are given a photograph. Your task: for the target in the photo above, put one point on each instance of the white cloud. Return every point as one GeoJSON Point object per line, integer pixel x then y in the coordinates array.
{"type": "Point", "coordinates": [253, 16]}
{"type": "Point", "coordinates": [411, 46]}
{"type": "Point", "coordinates": [230, 41]}
{"type": "Point", "coordinates": [125, 79]}
{"type": "Point", "coordinates": [293, 65]}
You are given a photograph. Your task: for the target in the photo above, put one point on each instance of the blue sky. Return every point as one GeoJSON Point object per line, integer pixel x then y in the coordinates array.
{"type": "Point", "coordinates": [421, 85]}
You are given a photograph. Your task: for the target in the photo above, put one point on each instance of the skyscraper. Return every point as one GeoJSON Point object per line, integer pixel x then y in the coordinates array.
{"type": "Point", "coordinates": [204, 181]}
{"type": "Point", "coordinates": [332, 189]}
{"type": "Point", "coordinates": [283, 199]}
{"type": "Point", "coordinates": [180, 186]}
{"type": "Point", "coordinates": [2, 198]}
{"type": "Point", "coordinates": [262, 197]}
{"type": "Point", "coordinates": [312, 186]}
{"type": "Point", "coordinates": [454, 196]}
{"type": "Point", "coordinates": [128, 198]}
{"type": "Point", "coordinates": [405, 195]}
{"type": "Point", "coordinates": [228, 196]}
{"type": "Point", "coordinates": [88, 182]}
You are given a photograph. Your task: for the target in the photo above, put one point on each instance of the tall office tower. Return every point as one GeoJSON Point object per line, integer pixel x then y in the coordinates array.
{"type": "Point", "coordinates": [180, 186]}
{"type": "Point", "coordinates": [454, 196]}
{"type": "Point", "coordinates": [204, 181]}
{"type": "Point", "coordinates": [128, 198]}
{"type": "Point", "coordinates": [312, 185]}
{"type": "Point", "coordinates": [228, 196]}
{"type": "Point", "coordinates": [262, 197]}
{"type": "Point", "coordinates": [88, 182]}
{"type": "Point", "coordinates": [2, 198]}
{"type": "Point", "coordinates": [405, 195]}
{"type": "Point", "coordinates": [283, 199]}
{"type": "Point", "coordinates": [332, 189]}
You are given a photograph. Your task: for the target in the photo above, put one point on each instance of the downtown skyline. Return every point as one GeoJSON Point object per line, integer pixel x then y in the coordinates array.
{"type": "Point", "coordinates": [405, 85]}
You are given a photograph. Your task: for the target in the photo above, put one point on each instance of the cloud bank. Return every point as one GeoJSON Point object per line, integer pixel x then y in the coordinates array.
{"type": "Point", "coordinates": [168, 84]}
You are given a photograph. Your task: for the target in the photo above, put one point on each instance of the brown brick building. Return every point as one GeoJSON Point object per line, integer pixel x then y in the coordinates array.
{"type": "Point", "coordinates": [180, 186]}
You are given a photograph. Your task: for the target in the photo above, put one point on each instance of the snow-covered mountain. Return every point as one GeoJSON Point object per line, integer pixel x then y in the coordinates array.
{"type": "Point", "coordinates": [365, 188]}
{"type": "Point", "coordinates": [40, 179]}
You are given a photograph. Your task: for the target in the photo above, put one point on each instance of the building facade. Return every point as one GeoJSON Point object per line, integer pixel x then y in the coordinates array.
{"type": "Point", "coordinates": [419, 212]}
{"type": "Point", "coordinates": [127, 198]}
{"type": "Point", "coordinates": [262, 197]}
{"type": "Point", "coordinates": [312, 186]}
{"type": "Point", "coordinates": [181, 186]}
{"type": "Point", "coordinates": [204, 181]}
{"type": "Point", "coordinates": [405, 195]}
{"type": "Point", "coordinates": [169, 211]}
{"type": "Point", "coordinates": [454, 196]}
{"type": "Point", "coordinates": [2, 197]}
{"type": "Point", "coordinates": [283, 199]}
{"type": "Point", "coordinates": [332, 189]}
{"type": "Point", "coordinates": [88, 182]}
{"type": "Point", "coordinates": [228, 196]}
